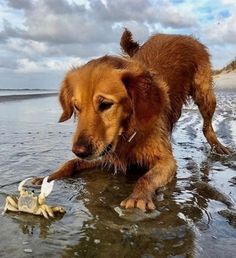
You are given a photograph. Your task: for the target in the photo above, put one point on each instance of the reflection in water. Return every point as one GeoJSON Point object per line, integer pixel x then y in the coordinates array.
{"type": "Point", "coordinates": [170, 232]}
{"type": "Point", "coordinates": [195, 213]}
{"type": "Point", "coordinates": [183, 214]}
{"type": "Point", "coordinates": [33, 225]}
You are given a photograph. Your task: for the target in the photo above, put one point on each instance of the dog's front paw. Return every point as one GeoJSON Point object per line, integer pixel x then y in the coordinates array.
{"type": "Point", "coordinates": [221, 149]}
{"type": "Point", "coordinates": [142, 202]}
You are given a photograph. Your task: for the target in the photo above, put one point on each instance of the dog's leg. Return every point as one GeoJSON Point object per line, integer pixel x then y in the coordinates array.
{"type": "Point", "coordinates": [205, 99]}
{"type": "Point", "coordinates": [161, 174]}
{"type": "Point", "coordinates": [68, 169]}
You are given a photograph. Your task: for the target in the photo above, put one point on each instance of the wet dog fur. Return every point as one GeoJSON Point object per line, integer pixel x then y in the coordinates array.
{"type": "Point", "coordinates": [128, 105]}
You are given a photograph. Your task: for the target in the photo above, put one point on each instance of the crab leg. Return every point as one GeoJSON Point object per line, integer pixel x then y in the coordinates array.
{"type": "Point", "coordinates": [43, 212]}
{"type": "Point", "coordinates": [21, 184]}
{"type": "Point", "coordinates": [11, 204]}
{"type": "Point", "coordinates": [9, 208]}
{"type": "Point", "coordinates": [48, 210]}
{"type": "Point", "coordinates": [58, 209]}
{"type": "Point", "coordinates": [46, 188]}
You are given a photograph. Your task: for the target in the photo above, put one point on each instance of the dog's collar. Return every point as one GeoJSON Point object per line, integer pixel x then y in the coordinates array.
{"type": "Point", "coordinates": [127, 136]}
{"type": "Point", "coordinates": [132, 136]}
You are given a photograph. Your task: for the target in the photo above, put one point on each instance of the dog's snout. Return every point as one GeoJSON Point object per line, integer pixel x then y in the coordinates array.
{"type": "Point", "coordinates": [82, 149]}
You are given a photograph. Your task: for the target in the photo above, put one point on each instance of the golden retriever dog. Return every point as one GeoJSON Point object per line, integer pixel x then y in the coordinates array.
{"type": "Point", "coordinates": [127, 107]}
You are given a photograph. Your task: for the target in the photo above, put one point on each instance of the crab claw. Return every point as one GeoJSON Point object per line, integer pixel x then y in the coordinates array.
{"type": "Point", "coordinates": [21, 184]}
{"type": "Point", "coordinates": [46, 187]}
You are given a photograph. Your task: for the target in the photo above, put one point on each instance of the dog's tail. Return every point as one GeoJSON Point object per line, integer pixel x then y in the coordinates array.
{"type": "Point", "coordinates": [128, 45]}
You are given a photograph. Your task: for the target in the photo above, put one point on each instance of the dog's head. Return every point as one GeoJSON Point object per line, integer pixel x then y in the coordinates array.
{"type": "Point", "coordinates": [106, 94]}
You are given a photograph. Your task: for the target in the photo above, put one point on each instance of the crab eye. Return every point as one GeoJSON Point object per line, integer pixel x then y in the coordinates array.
{"type": "Point", "coordinates": [104, 106]}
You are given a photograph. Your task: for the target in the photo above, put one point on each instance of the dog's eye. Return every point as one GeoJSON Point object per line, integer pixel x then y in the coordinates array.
{"type": "Point", "coordinates": [104, 106]}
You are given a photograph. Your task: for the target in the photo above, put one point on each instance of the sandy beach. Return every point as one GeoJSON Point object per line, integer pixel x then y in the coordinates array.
{"type": "Point", "coordinates": [194, 215]}
{"type": "Point", "coordinates": [225, 80]}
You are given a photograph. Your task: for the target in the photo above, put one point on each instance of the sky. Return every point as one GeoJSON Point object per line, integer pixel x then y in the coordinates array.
{"type": "Point", "coordinates": [41, 39]}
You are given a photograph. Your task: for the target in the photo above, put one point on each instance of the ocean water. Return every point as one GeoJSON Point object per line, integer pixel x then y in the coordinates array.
{"type": "Point", "coordinates": [7, 92]}
{"type": "Point", "coordinates": [194, 217]}
{"type": "Point", "coordinates": [13, 95]}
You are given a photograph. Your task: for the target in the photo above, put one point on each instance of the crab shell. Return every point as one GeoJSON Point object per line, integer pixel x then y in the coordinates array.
{"type": "Point", "coordinates": [28, 203]}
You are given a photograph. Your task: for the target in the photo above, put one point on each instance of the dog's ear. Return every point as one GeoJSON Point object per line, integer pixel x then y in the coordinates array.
{"type": "Point", "coordinates": [65, 98]}
{"type": "Point", "coordinates": [148, 95]}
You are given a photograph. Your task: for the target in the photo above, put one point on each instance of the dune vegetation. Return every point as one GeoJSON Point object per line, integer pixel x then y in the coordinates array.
{"type": "Point", "coordinates": [228, 68]}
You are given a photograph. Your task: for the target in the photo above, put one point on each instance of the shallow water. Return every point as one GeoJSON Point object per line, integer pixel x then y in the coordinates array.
{"type": "Point", "coordinates": [195, 215]}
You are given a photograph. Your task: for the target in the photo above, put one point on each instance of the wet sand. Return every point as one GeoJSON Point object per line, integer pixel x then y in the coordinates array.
{"type": "Point", "coordinates": [195, 215]}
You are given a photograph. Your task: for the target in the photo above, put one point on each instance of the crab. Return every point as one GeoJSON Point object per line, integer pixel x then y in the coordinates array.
{"type": "Point", "coordinates": [30, 203]}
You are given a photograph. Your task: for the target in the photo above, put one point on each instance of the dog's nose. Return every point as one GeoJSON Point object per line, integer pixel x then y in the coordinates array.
{"type": "Point", "coordinates": [81, 151]}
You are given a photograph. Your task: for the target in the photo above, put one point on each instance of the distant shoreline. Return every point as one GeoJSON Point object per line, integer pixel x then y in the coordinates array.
{"type": "Point", "coordinates": [26, 96]}
{"type": "Point", "coordinates": [26, 89]}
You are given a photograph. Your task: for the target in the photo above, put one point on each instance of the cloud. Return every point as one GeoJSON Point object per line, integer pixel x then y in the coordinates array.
{"type": "Point", "coordinates": [228, 2]}
{"type": "Point", "coordinates": [223, 31]}
{"type": "Point", "coordinates": [28, 47]}
{"type": "Point", "coordinates": [34, 80]}
{"type": "Point", "coordinates": [25, 65]}
{"type": "Point", "coordinates": [222, 56]}
{"type": "Point", "coordinates": [20, 4]}
{"type": "Point", "coordinates": [7, 63]}
{"type": "Point", "coordinates": [143, 11]}
{"type": "Point", "coordinates": [58, 21]}
{"type": "Point", "coordinates": [46, 36]}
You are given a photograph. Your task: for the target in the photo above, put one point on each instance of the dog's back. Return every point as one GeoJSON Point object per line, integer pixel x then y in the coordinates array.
{"type": "Point", "coordinates": [181, 61]}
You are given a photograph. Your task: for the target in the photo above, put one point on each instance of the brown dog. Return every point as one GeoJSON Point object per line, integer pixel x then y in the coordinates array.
{"type": "Point", "coordinates": [127, 108]}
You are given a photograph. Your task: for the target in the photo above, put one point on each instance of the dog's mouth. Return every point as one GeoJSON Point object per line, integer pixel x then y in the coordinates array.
{"type": "Point", "coordinates": [107, 150]}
